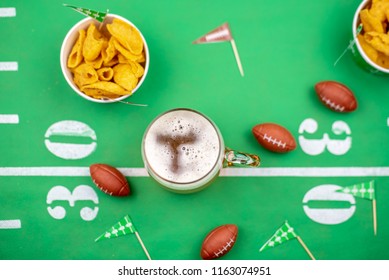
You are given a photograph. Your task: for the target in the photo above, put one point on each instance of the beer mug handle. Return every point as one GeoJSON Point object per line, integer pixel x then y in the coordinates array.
{"type": "Point", "coordinates": [240, 159]}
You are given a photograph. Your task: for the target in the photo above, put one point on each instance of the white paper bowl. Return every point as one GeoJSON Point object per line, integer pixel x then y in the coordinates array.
{"type": "Point", "coordinates": [359, 55]}
{"type": "Point", "coordinates": [71, 38]}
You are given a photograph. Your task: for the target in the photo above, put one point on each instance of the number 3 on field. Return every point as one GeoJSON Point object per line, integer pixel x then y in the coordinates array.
{"type": "Point", "coordinates": [318, 146]}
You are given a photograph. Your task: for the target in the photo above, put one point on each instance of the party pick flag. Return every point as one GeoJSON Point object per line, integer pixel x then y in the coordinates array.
{"type": "Point", "coordinates": [99, 16]}
{"type": "Point", "coordinates": [282, 235]}
{"type": "Point", "coordinates": [221, 34]}
{"type": "Point", "coordinates": [123, 227]}
{"type": "Point", "coordinates": [364, 190]}
{"type": "Point", "coordinates": [350, 45]}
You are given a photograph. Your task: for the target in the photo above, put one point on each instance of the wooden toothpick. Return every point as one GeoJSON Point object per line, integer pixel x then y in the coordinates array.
{"type": "Point", "coordinates": [350, 45]}
{"type": "Point", "coordinates": [143, 245]}
{"type": "Point", "coordinates": [102, 23]}
{"type": "Point", "coordinates": [374, 216]}
{"type": "Point", "coordinates": [237, 58]}
{"type": "Point", "coordinates": [305, 248]}
{"type": "Point", "coordinates": [124, 102]}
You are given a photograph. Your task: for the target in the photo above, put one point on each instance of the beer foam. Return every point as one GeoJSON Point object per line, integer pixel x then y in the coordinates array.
{"type": "Point", "coordinates": [182, 146]}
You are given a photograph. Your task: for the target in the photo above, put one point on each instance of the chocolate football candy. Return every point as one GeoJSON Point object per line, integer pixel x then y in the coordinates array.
{"type": "Point", "coordinates": [336, 96]}
{"type": "Point", "coordinates": [109, 179]}
{"type": "Point", "coordinates": [219, 242]}
{"type": "Point", "coordinates": [274, 137]}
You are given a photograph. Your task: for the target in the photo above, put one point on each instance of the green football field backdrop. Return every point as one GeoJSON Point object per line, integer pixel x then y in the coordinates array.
{"type": "Point", "coordinates": [51, 209]}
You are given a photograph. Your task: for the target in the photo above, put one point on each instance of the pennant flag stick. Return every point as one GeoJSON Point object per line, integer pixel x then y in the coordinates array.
{"type": "Point", "coordinates": [352, 42]}
{"type": "Point", "coordinates": [364, 190]}
{"type": "Point", "coordinates": [99, 16]}
{"type": "Point", "coordinates": [305, 247]}
{"type": "Point", "coordinates": [374, 216]}
{"type": "Point", "coordinates": [237, 58]}
{"type": "Point", "coordinates": [283, 234]}
{"type": "Point", "coordinates": [143, 245]}
{"type": "Point", "coordinates": [222, 34]}
{"type": "Point", "coordinates": [123, 227]}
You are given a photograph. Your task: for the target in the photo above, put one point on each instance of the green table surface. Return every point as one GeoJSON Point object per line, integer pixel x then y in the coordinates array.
{"type": "Point", "coordinates": [286, 47]}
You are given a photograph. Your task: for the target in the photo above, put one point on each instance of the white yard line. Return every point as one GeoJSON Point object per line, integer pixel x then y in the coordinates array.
{"type": "Point", "coordinates": [226, 172]}
{"type": "Point", "coordinates": [7, 12]}
{"type": "Point", "coordinates": [306, 172]}
{"type": "Point", "coordinates": [9, 66]}
{"type": "Point", "coordinates": [10, 224]}
{"type": "Point", "coordinates": [9, 119]}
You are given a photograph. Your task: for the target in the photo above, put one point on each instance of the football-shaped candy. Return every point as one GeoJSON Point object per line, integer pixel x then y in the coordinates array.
{"type": "Point", "coordinates": [109, 179]}
{"type": "Point", "coordinates": [274, 137]}
{"type": "Point", "coordinates": [219, 242]}
{"type": "Point", "coordinates": [336, 96]}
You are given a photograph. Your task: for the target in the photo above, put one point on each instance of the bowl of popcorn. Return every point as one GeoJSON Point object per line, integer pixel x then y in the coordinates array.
{"type": "Point", "coordinates": [104, 62]}
{"type": "Point", "coordinates": [370, 32]}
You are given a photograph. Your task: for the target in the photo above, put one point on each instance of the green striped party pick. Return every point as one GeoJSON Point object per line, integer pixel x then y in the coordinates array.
{"type": "Point", "coordinates": [123, 227]}
{"type": "Point", "coordinates": [99, 16]}
{"type": "Point", "coordinates": [364, 190]}
{"type": "Point", "coordinates": [282, 235]}
{"type": "Point", "coordinates": [351, 44]}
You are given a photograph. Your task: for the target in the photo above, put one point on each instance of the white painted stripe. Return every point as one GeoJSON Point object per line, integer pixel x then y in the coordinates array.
{"type": "Point", "coordinates": [7, 12]}
{"type": "Point", "coordinates": [44, 171]}
{"type": "Point", "coordinates": [135, 172]}
{"type": "Point", "coordinates": [9, 66]}
{"type": "Point", "coordinates": [306, 172]}
{"type": "Point", "coordinates": [9, 118]}
{"type": "Point", "coordinates": [10, 224]}
{"type": "Point", "coordinates": [226, 172]}
{"type": "Point", "coordinates": [64, 171]}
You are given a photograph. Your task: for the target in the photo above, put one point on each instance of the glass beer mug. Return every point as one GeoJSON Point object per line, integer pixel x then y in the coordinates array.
{"type": "Point", "coordinates": [183, 150]}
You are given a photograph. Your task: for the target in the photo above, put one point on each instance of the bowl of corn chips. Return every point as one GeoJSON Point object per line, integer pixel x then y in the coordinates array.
{"type": "Point", "coordinates": [370, 32]}
{"type": "Point", "coordinates": [104, 62]}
